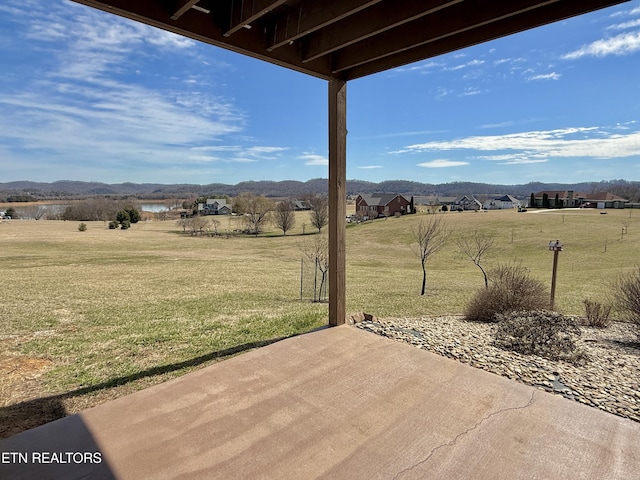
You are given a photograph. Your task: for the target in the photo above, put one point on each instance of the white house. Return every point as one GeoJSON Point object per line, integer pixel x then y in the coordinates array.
{"type": "Point", "coordinates": [466, 202]}
{"type": "Point", "coordinates": [214, 206]}
{"type": "Point", "coordinates": [501, 203]}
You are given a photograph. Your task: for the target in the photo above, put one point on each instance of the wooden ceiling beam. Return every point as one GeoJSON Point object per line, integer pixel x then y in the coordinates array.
{"type": "Point", "coordinates": [203, 28]}
{"type": "Point", "coordinates": [489, 31]}
{"type": "Point", "coordinates": [396, 32]}
{"type": "Point", "coordinates": [245, 12]}
{"type": "Point", "coordinates": [452, 21]}
{"type": "Point", "coordinates": [309, 16]}
{"type": "Point", "coordinates": [183, 6]}
{"type": "Point", "coordinates": [372, 21]}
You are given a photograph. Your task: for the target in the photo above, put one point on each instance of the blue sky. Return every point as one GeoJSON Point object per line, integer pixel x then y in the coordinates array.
{"type": "Point", "coordinates": [85, 95]}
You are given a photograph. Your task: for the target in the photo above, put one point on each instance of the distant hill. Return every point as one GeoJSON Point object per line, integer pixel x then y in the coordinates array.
{"type": "Point", "coordinates": [68, 189]}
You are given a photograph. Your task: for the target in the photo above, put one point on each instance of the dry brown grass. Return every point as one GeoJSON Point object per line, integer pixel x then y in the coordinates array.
{"type": "Point", "coordinates": [89, 315]}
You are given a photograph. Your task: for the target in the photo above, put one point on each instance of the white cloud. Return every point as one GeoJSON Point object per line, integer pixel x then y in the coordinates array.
{"type": "Point", "coordinates": [398, 134]}
{"type": "Point", "coordinates": [469, 91]}
{"type": "Point", "coordinates": [625, 25]}
{"type": "Point", "coordinates": [242, 160]}
{"type": "Point", "coordinates": [472, 63]}
{"type": "Point", "coordinates": [443, 92]}
{"type": "Point", "coordinates": [442, 163]}
{"type": "Point", "coordinates": [633, 11]}
{"type": "Point", "coordinates": [498, 125]}
{"type": "Point", "coordinates": [623, 44]}
{"type": "Point", "coordinates": [586, 142]}
{"type": "Point", "coordinates": [370, 167]}
{"type": "Point", "coordinates": [420, 67]}
{"type": "Point", "coordinates": [203, 158]}
{"type": "Point", "coordinates": [261, 150]}
{"type": "Point", "coordinates": [314, 160]}
{"type": "Point", "coordinates": [163, 38]}
{"type": "Point", "coordinates": [90, 98]}
{"type": "Point", "coordinates": [218, 148]}
{"type": "Point", "coordinates": [239, 154]}
{"type": "Point", "coordinates": [546, 76]}
{"type": "Point", "coordinates": [522, 161]}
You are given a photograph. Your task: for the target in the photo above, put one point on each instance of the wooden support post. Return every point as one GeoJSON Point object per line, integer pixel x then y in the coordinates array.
{"type": "Point", "coordinates": [553, 278]}
{"type": "Point", "coordinates": [337, 200]}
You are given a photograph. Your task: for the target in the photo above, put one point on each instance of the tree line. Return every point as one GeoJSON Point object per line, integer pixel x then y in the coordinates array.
{"type": "Point", "coordinates": [255, 212]}
{"type": "Point", "coordinates": [21, 191]}
{"type": "Point", "coordinates": [120, 213]}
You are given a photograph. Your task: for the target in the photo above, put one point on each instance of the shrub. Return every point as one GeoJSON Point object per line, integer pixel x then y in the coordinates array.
{"type": "Point", "coordinates": [134, 214]}
{"type": "Point", "coordinates": [122, 216]}
{"type": "Point", "coordinates": [125, 224]}
{"type": "Point", "coordinates": [596, 314]}
{"type": "Point", "coordinates": [82, 227]}
{"type": "Point", "coordinates": [626, 294]}
{"type": "Point", "coordinates": [543, 333]}
{"type": "Point", "coordinates": [113, 225]}
{"type": "Point", "coordinates": [511, 288]}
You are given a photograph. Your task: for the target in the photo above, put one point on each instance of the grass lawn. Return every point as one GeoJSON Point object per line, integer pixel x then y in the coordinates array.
{"type": "Point", "coordinates": [91, 315]}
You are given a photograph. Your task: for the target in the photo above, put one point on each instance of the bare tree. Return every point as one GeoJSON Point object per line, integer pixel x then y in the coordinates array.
{"type": "Point", "coordinates": [32, 212]}
{"type": "Point", "coordinates": [198, 224]}
{"type": "Point", "coordinates": [256, 210]}
{"type": "Point", "coordinates": [431, 235]}
{"type": "Point", "coordinates": [184, 223]}
{"type": "Point", "coordinates": [215, 224]}
{"type": "Point", "coordinates": [319, 211]}
{"type": "Point", "coordinates": [284, 216]}
{"type": "Point", "coordinates": [475, 247]}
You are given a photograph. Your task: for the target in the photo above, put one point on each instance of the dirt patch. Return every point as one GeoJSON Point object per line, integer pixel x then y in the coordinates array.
{"type": "Point", "coordinates": [20, 377]}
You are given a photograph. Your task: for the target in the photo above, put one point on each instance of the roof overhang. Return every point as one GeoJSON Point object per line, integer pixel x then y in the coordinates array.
{"type": "Point", "coordinates": [346, 39]}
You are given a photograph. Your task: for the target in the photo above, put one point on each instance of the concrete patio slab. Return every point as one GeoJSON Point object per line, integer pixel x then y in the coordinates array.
{"type": "Point", "coordinates": [337, 403]}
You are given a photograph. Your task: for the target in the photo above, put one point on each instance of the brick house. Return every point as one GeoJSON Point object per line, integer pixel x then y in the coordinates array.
{"type": "Point", "coordinates": [383, 204]}
{"type": "Point", "coordinates": [604, 200]}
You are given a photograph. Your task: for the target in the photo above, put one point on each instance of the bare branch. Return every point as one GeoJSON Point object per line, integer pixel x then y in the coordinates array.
{"type": "Point", "coordinates": [475, 247]}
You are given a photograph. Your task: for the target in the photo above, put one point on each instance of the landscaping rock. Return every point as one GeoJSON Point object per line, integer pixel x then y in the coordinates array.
{"type": "Point", "coordinates": [360, 317]}
{"type": "Point", "coordinates": [607, 379]}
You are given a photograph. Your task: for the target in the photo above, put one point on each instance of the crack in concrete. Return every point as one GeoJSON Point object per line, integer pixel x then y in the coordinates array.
{"type": "Point", "coordinates": [457, 437]}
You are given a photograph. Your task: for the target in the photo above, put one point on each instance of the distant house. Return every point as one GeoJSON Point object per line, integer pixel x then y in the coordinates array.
{"type": "Point", "coordinates": [568, 198]}
{"type": "Point", "coordinates": [301, 205]}
{"type": "Point", "coordinates": [214, 206]}
{"type": "Point", "coordinates": [382, 204]}
{"type": "Point", "coordinates": [434, 200]}
{"type": "Point", "coordinates": [604, 200]}
{"type": "Point", "coordinates": [502, 203]}
{"type": "Point", "coordinates": [555, 199]}
{"type": "Point", "coordinates": [466, 202]}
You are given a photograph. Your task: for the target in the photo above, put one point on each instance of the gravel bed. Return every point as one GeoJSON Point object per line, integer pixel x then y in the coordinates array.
{"type": "Point", "coordinates": [608, 379]}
